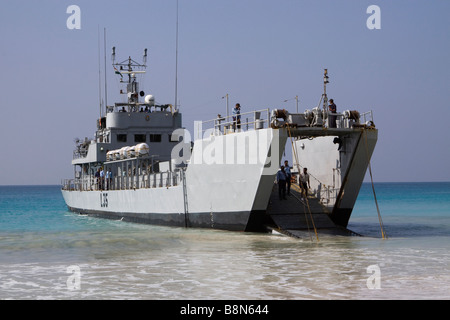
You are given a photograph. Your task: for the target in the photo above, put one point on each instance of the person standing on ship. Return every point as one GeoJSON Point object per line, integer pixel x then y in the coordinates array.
{"type": "Point", "coordinates": [97, 177]}
{"type": "Point", "coordinates": [287, 170]}
{"type": "Point", "coordinates": [281, 180]}
{"type": "Point", "coordinates": [108, 179]}
{"type": "Point", "coordinates": [332, 109]}
{"type": "Point", "coordinates": [102, 179]}
{"type": "Point", "coordinates": [304, 182]}
{"type": "Point", "coordinates": [237, 117]}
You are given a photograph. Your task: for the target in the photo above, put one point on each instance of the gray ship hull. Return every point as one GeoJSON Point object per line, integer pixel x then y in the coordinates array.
{"type": "Point", "coordinates": [243, 197]}
{"type": "Point", "coordinates": [220, 193]}
{"type": "Point", "coordinates": [230, 221]}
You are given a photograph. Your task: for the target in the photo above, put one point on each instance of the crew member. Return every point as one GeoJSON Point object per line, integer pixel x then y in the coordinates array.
{"type": "Point", "coordinates": [237, 117]}
{"type": "Point", "coordinates": [287, 170]}
{"type": "Point", "coordinates": [304, 182]}
{"type": "Point", "coordinates": [281, 180]}
{"type": "Point", "coordinates": [332, 120]}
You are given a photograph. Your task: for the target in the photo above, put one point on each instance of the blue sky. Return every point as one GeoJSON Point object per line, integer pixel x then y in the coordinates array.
{"type": "Point", "coordinates": [260, 52]}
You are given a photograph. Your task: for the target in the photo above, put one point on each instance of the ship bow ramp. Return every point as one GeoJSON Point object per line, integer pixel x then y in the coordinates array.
{"type": "Point", "coordinates": [336, 165]}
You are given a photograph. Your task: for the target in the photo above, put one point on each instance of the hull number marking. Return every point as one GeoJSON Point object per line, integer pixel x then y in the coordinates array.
{"type": "Point", "coordinates": [104, 200]}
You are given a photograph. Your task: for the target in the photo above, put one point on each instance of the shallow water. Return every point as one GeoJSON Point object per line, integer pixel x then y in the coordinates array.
{"type": "Point", "coordinates": [47, 252]}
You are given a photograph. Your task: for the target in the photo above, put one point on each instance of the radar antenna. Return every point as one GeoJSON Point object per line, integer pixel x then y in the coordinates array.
{"type": "Point", "coordinates": [131, 68]}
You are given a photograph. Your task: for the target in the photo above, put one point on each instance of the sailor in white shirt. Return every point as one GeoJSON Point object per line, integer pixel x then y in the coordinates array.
{"type": "Point", "coordinates": [304, 182]}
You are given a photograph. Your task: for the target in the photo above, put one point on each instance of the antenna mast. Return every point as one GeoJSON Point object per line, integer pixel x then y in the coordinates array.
{"type": "Point", "coordinates": [176, 61]}
{"type": "Point", "coordinates": [104, 49]}
{"type": "Point", "coordinates": [325, 98]}
{"type": "Point", "coordinates": [99, 74]}
{"type": "Point", "coordinates": [128, 67]}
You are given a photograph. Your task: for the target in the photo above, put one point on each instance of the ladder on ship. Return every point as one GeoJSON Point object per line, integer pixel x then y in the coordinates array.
{"type": "Point", "coordinates": [185, 198]}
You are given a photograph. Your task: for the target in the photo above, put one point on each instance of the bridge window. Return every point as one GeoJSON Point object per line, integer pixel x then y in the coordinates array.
{"type": "Point", "coordinates": [155, 138]}
{"type": "Point", "coordinates": [139, 138]}
{"type": "Point", "coordinates": [121, 138]}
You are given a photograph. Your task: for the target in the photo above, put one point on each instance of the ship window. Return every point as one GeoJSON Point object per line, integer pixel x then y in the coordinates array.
{"type": "Point", "coordinates": [121, 138]}
{"type": "Point", "coordinates": [139, 138]}
{"type": "Point", "coordinates": [155, 138]}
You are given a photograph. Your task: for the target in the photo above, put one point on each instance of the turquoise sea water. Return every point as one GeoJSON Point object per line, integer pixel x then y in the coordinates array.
{"type": "Point", "coordinates": [47, 252]}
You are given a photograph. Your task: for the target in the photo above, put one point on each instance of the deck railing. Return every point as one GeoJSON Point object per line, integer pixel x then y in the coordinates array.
{"type": "Point", "coordinates": [252, 120]}
{"type": "Point", "coordinates": [124, 182]}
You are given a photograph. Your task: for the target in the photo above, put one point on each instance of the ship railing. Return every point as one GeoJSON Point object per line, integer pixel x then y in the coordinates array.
{"type": "Point", "coordinates": [85, 184]}
{"type": "Point", "coordinates": [143, 181]}
{"type": "Point", "coordinates": [79, 154]}
{"type": "Point", "coordinates": [349, 119]}
{"type": "Point", "coordinates": [327, 195]}
{"type": "Point", "coordinates": [125, 182]}
{"type": "Point", "coordinates": [253, 120]}
{"type": "Point", "coordinates": [137, 107]}
{"type": "Point", "coordinates": [367, 116]}
{"type": "Point", "coordinates": [68, 184]}
{"type": "Point", "coordinates": [146, 180]}
{"type": "Point", "coordinates": [76, 184]}
{"type": "Point", "coordinates": [319, 118]}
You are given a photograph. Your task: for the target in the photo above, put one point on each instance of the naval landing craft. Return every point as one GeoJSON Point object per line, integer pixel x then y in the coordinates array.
{"type": "Point", "coordinates": [143, 166]}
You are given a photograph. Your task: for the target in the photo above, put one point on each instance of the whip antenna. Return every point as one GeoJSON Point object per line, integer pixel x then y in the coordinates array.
{"type": "Point", "coordinates": [104, 49]}
{"type": "Point", "coordinates": [176, 60]}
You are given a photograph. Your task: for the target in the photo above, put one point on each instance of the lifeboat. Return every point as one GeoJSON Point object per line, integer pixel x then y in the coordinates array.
{"type": "Point", "coordinates": [141, 149]}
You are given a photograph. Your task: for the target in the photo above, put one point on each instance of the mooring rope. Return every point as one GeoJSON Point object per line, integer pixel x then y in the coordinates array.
{"type": "Point", "coordinates": [294, 150]}
{"type": "Point", "coordinates": [304, 210]}
{"type": "Point", "coordinates": [383, 233]}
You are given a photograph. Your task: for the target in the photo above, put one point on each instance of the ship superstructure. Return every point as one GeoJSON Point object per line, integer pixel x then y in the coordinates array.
{"type": "Point", "coordinates": [143, 166]}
